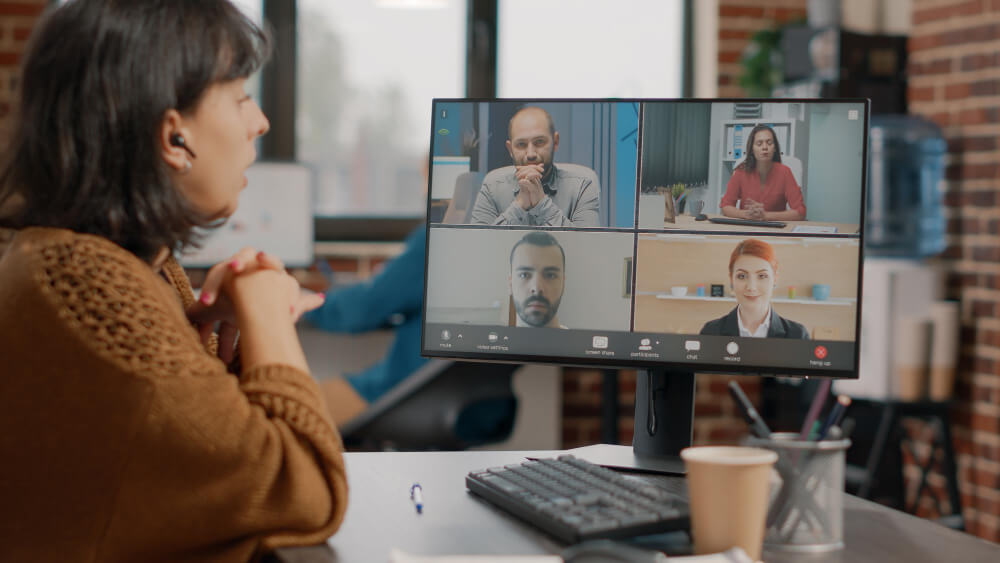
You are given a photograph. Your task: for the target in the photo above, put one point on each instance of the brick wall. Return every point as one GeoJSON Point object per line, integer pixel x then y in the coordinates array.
{"type": "Point", "coordinates": [16, 21]}
{"type": "Point", "coordinates": [955, 81]}
{"type": "Point", "coordinates": [716, 420]}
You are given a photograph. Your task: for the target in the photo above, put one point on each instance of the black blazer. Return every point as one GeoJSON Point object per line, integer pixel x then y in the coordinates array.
{"type": "Point", "coordinates": [781, 327]}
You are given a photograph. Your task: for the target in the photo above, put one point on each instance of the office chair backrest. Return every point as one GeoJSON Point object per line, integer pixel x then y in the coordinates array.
{"type": "Point", "coordinates": [427, 411]}
{"type": "Point", "coordinates": [467, 186]}
{"type": "Point", "coordinates": [795, 165]}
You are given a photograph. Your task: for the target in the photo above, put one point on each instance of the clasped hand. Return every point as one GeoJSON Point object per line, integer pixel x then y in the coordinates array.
{"type": "Point", "coordinates": [529, 182]}
{"type": "Point", "coordinates": [754, 210]}
{"type": "Point", "coordinates": [247, 278]}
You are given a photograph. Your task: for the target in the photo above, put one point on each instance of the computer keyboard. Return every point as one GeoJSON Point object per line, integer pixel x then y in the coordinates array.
{"type": "Point", "coordinates": [746, 222]}
{"type": "Point", "coordinates": [575, 500]}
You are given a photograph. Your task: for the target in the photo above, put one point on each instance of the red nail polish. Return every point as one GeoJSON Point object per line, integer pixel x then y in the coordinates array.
{"type": "Point", "coordinates": [234, 265]}
{"type": "Point", "coordinates": [206, 298]}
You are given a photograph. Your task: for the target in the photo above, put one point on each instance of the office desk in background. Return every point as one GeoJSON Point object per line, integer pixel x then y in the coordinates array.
{"type": "Point", "coordinates": [687, 222]}
{"type": "Point", "coordinates": [380, 516]}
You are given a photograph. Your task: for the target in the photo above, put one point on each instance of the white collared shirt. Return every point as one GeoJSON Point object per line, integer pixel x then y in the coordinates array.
{"type": "Point", "coordinates": [761, 331]}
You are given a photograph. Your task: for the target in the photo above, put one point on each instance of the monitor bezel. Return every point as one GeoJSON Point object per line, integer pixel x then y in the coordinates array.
{"type": "Point", "coordinates": [638, 364]}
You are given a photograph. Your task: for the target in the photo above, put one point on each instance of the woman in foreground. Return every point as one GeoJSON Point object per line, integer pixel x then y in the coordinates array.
{"type": "Point", "coordinates": [132, 432]}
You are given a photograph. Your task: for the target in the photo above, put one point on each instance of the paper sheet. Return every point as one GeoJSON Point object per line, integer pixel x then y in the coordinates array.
{"type": "Point", "coordinates": [397, 556]}
{"type": "Point", "coordinates": [818, 229]}
{"type": "Point", "coordinates": [734, 555]}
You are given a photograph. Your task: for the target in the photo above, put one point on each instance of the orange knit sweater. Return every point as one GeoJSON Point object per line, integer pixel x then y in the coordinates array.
{"type": "Point", "coordinates": [123, 439]}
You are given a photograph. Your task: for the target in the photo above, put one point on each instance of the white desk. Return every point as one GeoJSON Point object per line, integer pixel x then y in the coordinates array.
{"type": "Point", "coordinates": [380, 517]}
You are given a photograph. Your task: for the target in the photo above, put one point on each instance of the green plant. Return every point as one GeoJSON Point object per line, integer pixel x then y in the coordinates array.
{"type": "Point", "coordinates": [677, 189]}
{"type": "Point", "coordinates": [762, 63]}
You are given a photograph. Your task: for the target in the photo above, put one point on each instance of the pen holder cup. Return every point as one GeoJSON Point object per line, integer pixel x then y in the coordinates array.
{"type": "Point", "coordinates": [806, 512]}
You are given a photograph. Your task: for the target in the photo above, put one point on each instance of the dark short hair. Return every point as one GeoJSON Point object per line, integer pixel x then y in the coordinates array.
{"type": "Point", "coordinates": [750, 162]}
{"type": "Point", "coordinates": [538, 238]}
{"type": "Point", "coordinates": [548, 116]}
{"type": "Point", "coordinates": [98, 78]}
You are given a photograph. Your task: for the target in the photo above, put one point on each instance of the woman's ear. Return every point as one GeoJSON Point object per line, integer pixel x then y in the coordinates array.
{"type": "Point", "coordinates": [173, 153]}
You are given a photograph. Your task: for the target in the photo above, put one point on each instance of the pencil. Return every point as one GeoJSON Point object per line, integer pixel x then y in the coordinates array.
{"type": "Point", "coordinates": [817, 405]}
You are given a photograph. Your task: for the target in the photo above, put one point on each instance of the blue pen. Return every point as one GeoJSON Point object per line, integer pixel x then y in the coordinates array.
{"type": "Point", "coordinates": [836, 413]}
{"type": "Point", "coordinates": [417, 496]}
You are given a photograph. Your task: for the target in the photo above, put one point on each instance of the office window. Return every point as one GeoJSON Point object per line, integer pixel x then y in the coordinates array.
{"type": "Point", "coordinates": [367, 72]}
{"type": "Point", "coordinates": [255, 11]}
{"type": "Point", "coordinates": [251, 8]}
{"type": "Point", "coordinates": [589, 48]}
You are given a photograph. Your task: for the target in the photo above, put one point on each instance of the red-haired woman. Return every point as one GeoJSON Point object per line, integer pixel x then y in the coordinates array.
{"type": "Point", "coordinates": [765, 188]}
{"type": "Point", "coordinates": [753, 273]}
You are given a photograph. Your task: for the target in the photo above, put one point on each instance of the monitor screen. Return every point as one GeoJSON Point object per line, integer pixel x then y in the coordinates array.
{"type": "Point", "coordinates": [703, 235]}
{"type": "Point", "coordinates": [275, 215]}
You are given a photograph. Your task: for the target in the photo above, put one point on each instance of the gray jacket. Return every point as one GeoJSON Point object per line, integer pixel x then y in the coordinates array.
{"type": "Point", "coordinates": [572, 199]}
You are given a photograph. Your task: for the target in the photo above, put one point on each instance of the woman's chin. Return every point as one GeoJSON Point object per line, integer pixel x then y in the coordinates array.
{"type": "Point", "coordinates": [220, 216]}
{"type": "Point", "coordinates": [757, 305]}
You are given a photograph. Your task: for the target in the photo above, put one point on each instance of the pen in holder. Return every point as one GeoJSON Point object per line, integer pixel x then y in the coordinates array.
{"type": "Point", "coordinates": [806, 512]}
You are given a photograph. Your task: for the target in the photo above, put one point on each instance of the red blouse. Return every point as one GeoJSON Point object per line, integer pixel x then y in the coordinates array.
{"type": "Point", "coordinates": [780, 189]}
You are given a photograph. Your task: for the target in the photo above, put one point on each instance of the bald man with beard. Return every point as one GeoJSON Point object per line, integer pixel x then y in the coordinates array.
{"type": "Point", "coordinates": [535, 190]}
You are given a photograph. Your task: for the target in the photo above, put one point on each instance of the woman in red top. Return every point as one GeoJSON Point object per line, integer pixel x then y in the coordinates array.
{"type": "Point", "coordinates": [764, 187]}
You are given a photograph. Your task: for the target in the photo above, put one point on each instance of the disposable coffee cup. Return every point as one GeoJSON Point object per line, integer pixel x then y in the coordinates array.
{"type": "Point", "coordinates": [729, 487]}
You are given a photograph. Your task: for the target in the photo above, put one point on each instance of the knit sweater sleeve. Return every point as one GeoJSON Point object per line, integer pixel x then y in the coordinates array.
{"type": "Point", "coordinates": [221, 459]}
{"type": "Point", "coordinates": [215, 464]}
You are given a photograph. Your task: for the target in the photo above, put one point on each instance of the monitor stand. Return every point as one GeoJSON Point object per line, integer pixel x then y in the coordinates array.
{"type": "Point", "coordinates": [664, 417]}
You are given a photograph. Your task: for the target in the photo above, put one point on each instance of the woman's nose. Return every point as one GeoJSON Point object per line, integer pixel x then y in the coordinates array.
{"type": "Point", "coordinates": [260, 124]}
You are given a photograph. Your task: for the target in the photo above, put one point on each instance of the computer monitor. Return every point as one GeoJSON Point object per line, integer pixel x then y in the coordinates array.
{"type": "Point", "coordinates": [669, 236]}
{"type": "Point", "coordinates": [275, 215]}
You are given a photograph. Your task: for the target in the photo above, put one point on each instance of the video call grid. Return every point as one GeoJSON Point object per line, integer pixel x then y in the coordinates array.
{"type": "Point", "coordinates": [636, 231]}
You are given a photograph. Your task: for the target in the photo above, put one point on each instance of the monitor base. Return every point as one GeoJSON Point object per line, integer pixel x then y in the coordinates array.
{"type": "Point", "coordinates": [664, 413]}
{"type": "Point", "coordinates": [664, 423]}
{"type": "Point", "coordinates": [624, 457]}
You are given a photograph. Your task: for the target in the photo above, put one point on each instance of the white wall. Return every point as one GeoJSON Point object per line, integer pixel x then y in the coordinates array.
{"type": "Point", "coordinates": [468, 271]}
{"type": "Point", "coordinates": [835, 163]}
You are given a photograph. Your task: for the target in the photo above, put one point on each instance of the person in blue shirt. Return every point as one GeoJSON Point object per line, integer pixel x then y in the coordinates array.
{"type": "Point", "coordinates": [396, 291]}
